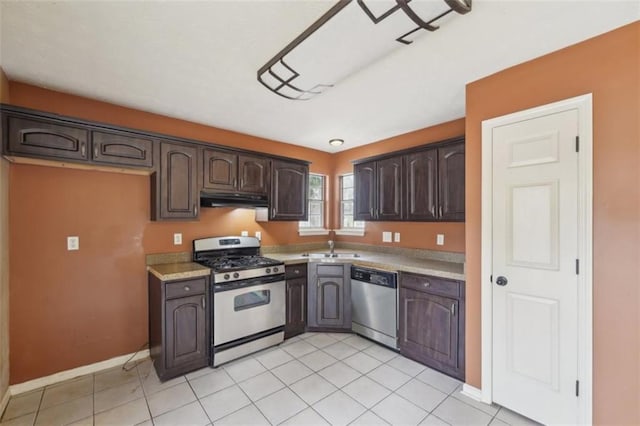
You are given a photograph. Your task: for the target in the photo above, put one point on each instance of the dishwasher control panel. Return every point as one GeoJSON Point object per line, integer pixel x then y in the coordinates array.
{"type": "Point", "coordinates": [372, 276]}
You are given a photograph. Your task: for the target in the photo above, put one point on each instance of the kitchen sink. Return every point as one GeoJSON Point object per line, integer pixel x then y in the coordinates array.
{"type": "Point", "coordinates": [331, 255]}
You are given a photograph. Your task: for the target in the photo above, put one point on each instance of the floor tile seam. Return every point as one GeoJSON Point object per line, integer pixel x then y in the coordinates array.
{"type": "Point", "coordinates": [349, 396]}
{"type": "Point", "coordinates": [173, 409]}
{"type": "Point", "coordinates": [113, 387]}
{"type": "Point", "coordinates": [308, 407]}
{"type": "Point", "coordinates": [431, 414]}
{"type": "Point", "coordinates": [410, 402]}
{"type": "Point", "coordinates": [197, 399]}
{"type": "Point", "coordinates": [161, 390]}
{"type": "Point", "coordinates": [40, 408]}
{"type": "Point", "coordinates": [216, 391]}
{"type": "Point", "coordinates": [119, 384]}
{"type": "Point", "coordinates": [324, 397]}
{"type": "Point", "coordinates": [114, 406]}
{"type": "Point", "coordinates": [265, 396]}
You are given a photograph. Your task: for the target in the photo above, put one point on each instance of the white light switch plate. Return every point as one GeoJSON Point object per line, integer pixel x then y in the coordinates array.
{"type": "Point", "coordinates": [177, 239]}
{"type": "Point", "coordinates": [396, 237]}
{"type": "Point", "coordinates": [440, 239]}
{"type": "Point", "coordinates": [259, 235]}
{"type": "Point", "coordinates": [386, 237]}
{"type": "Point", "coordinates": [244, 233]}
{"type": "Point", "coordinates": [73, 243]}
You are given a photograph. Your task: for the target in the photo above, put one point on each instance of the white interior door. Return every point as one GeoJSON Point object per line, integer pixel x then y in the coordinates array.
{"type": "Point", "coordinates": [535, 282]}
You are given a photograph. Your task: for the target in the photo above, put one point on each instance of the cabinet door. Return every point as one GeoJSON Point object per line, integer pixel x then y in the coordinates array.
{"type": "Point", "coordinates": [252, 174]}
{"type": "Point", "coordinates": [389, 177]}
{"type": "Point", "coordinates": [177, 191]}
{"type": "Point", "coordinates": [47, 138]}
{"type": "Point", "coordinates": [121, 149]}
{"type": "Point", "coordinates": [220, 170]}
{"type": "Point", "coordinates": [296, 316]}
{"type": "Point", "coordinates": [451, 185]}
{"type": "Point", "coordinates": [365, 189]}
{"type": "Point", "coordinates": [289, 191]}
{"type": "Point", "coordinates": [185, 331]}
{"type": "Point", "coordinates": [330, 301]}
{"type": "Point", "coordinates": [421, 186]}
{"type": "Point", "coordinates": [429, 328]}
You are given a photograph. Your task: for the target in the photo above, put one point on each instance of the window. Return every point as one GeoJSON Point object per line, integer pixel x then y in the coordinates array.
{"type": "Point", "coordinates": [315, 224]}
{"type": "Point", "coordinates": [348, 226]}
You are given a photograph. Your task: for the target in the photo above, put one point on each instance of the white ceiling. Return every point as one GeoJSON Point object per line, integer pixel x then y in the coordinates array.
{"type": "Point", "coordinates": [198, 60]}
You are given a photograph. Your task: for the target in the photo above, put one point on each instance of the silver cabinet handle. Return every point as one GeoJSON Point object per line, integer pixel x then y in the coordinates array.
{"type": "Point", "coordinates": [83, 148]}
{"type": "Point", "coordinates": [453, 309]}
{"type": "Point", "coordinates": [95, 152]}
{"type": "Point", "coordinates": [241, 183]}
{"type": "Point", "coordinates": [187, 288]}
{"type": "Point", "coordinates": [426, 284]}
{"type": "Point", "coordinates": [440, 211]}
{"type": "Point", "coordinates": [296, 271]}
{"type": "Point", "coordinates": [273, 212]}
{"type": "Point", "coordinates": [235, 181]}
{"type": "Point", "coordinates": [371, 212]}
{"type": "Point", "coordinates": [204, 303]}
{"type": "Point", "coordinates": [433, 211]}
{"type": "Point", "coordinates": [195, 210]}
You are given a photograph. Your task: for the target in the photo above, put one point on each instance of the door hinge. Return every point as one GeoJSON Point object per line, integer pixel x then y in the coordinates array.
{"type": "Point", "coordinates": [491, 278]}
{"type": "Point", "coordinates": [577, 266]}
{"type": "Point", "coordinates": [577, 143]}
{"type": "Point", "coordinates": [577, 387]}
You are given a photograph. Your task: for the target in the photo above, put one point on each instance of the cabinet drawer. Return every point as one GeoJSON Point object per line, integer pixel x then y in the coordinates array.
{"type": "Point", "coordinates": [429, 284]}
{"type": "Point", "coordinates": [331, 270]}
{"type": "Point", "coordinates": [185, 288]}
{"type": "Point", "coordinates": [46, 138]}
{"type": "Point", "coordinates": [296, 271]}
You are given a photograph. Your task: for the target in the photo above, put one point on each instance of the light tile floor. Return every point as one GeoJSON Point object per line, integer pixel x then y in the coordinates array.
{"type": "Point", "coordinates": [313, 379]}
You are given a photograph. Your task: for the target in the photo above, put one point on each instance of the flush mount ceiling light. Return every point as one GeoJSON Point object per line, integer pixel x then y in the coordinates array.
{"type": "Point", "coordinates": [351, 35]}
{"type": "Point", "coordinates": [336, 142]}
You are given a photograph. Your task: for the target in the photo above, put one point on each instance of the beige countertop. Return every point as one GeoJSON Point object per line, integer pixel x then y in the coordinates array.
{"type": "Point", "coordinates": [386, 261]}
{"type": "Point", "coordinates": [178, 270]}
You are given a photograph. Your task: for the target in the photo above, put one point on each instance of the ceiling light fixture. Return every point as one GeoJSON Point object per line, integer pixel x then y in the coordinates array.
{"type": "Point", "coordinates": [336, 142]}
{"type": "Point", "coordinates": [351, 35]}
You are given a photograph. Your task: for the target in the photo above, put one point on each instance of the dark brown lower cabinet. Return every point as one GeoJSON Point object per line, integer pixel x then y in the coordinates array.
{"type": "Point", "coordinates": [296, 311]}
{"type": "Point", "coordinates": [178, 325]}
{"type": "Point", "coordinates": [431, 323]}
{"type": "Point", "coordinates": [329, 297]}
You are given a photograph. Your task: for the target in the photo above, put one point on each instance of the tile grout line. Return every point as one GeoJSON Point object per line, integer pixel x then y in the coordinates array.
{"type": "Point", "coordinates": [197, 399]}
{"type": "Point", "coordinates": [144, 394]}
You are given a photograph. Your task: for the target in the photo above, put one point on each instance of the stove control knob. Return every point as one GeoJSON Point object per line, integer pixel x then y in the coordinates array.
{"type": "Point", "coordinates": [236, 275]}
{"type": "Point", "coordinates": [226, 276]}
{"type": "Point", "coordinates": [268, 271]}
{"type": "Point", "coordinates": [275, 269]}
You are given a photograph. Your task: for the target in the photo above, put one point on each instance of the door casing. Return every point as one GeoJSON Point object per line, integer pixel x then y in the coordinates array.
{"type": "Point", "coordinates": [583, 104]}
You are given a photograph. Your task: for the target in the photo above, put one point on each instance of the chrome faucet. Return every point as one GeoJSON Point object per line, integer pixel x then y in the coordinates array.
{"type": "Point", "coordinates": [331, 246]}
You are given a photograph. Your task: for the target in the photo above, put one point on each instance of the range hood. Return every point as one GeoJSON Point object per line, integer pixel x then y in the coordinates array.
{"type": "Point", "coordinates": [222, 199]}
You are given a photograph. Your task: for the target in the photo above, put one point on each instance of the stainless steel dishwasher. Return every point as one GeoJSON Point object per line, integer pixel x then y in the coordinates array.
{"type": "Point", "coordinates": [374, 305]}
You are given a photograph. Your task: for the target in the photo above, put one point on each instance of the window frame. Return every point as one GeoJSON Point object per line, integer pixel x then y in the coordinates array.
{"type": "Point", "coordinates": [304, 227]}
{"type": "Point", "coordinates": [359, 225]}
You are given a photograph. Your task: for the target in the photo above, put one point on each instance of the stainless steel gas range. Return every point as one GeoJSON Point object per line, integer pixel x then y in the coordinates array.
{"type": "Point", "coordinates": [248, 292]}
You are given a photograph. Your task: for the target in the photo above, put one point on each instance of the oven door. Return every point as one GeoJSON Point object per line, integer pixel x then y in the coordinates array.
{"type": "Point", "coordinates": [247, 307]}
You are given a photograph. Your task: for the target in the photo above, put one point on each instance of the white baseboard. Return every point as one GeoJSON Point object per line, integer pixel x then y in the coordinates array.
{"type": "Point", "coordinates": [471, 392]}
{"type": "Point", "coordinates": [74, 372]}
{"type": "Point", "coordinates": [4, 401]}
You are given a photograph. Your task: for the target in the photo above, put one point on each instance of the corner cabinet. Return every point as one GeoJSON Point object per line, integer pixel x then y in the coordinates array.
{"type": "Point", "coordinates": [431, 322]}
{"type": "Point", "coordinates": [424, 184]}
{"type": "Point", "coordinates": [174, 191]}
{"type": "Point", "coordinates": [289, 191]}
{"type": "Point", "coordinates": [178, 326]}
{"type": "Point", "coordinates": [329, 300]}
{"type": "Point", "coordinates": [296, 310]}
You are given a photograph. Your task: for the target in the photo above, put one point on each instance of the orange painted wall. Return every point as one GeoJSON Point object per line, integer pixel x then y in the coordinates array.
{"type": "Point", "coordinates": [412, 234]}
{"type": "Point", "coordinates": [609, 67]}
{"type": "Point", "coordinates": [76, 308]}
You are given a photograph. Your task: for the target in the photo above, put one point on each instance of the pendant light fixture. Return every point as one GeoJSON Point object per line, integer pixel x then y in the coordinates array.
{"type": "Point", "coordinates": [351, 35]}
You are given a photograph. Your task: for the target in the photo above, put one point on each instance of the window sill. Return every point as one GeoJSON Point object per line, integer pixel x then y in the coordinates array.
{"type": "Point", "coordinates": [357, 232]}
{"type": "Point", "coordinates": [304, 232]}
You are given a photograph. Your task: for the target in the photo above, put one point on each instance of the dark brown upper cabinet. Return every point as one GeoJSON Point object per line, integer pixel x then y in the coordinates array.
{"type": "Point", "coordinates": [121, 149]}
{"type": "Point", "coordinates": [420, 184]}
{"type": "Point", "coordinates": [451, 182]}
{"type": "Point", "coordinates": [289, 191]}
{"type": "Point", "coordinates": [365, 191]}
{"type": "Point", "coordinates": [232, 172]}
{"type": "Point", "coordinates": [378, 190]}
{"type": "Point", "coordinates": [42, 137]}
{"type": "Point", "coordinates": [174, 192]}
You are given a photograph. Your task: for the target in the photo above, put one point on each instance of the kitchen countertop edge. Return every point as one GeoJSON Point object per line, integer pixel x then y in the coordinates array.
{"type": "Point", "coordinates": [178, 271]}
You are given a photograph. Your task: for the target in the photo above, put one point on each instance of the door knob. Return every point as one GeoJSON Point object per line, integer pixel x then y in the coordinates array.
{"type": "Point", "coordinates": [502, 281]}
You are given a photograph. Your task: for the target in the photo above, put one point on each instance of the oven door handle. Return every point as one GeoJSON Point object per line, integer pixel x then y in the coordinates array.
{"type": "Point", "coordinates": [220, 287]}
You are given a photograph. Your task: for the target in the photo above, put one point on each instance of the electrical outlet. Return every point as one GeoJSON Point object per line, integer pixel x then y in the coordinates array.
{"type": "Point", "coordinates": [244, 233]}
{"type": "Point", "coordinates": [396, 237]}
{"type": "Point", "coordinates": [440, 239]}
{"type": "Point", "coordinates": [73, 243]}
{"type": "Point", "coordinates": [177, 239]}
{"type": "Point", "coordinates": [259, 235]}
{"type": "Point", "coordinates": [386, 237]}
